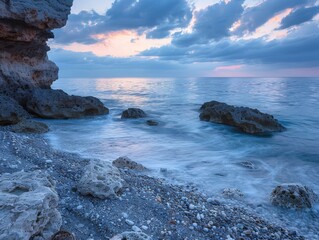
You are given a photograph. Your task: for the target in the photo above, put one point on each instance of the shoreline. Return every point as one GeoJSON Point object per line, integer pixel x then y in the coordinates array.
{"type": "Point", "coordinates": [157, 208]}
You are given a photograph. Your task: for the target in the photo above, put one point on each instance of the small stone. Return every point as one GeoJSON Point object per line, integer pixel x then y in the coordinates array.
{"type": "Point", "coordinates": [136, 229]}
{"type": "Point", "coordinates": [129, 222]}
{"type": "Point", "coordinates": [191, 206]}
{"type": "Point", "coordinates": [144, 227]}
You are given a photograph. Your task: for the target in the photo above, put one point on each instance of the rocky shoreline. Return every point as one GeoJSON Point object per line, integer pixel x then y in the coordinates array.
{"type": "Point", "coordinates": [144, 204]}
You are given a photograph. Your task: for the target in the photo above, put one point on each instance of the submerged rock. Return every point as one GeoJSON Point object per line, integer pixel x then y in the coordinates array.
{"type": "Point", "coordinates": [10, 111]}
{"type": "Point", "coordinates": [151, 123]}
{"type": "Point", "coordinates": [29, 126]}
{"type": "Point", "coordinates": [56, 104]}
{"type": "Point", "coordinates": [246, 119]}
{"type": "Point", "coordinates": [133, 113]}
{"type": "Point", "coordinates": [131, 236]}
{"type": "Point", "coordinates": [28, 206]}
{"type": "Point", "coordinates": [100, 180]}
{"type": "Point", "coordinates": [293, 195]}
{"type": "Point", "coordinates": [125, 162]}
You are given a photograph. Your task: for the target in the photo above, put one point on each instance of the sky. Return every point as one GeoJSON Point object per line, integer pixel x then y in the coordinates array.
{"type": "Point", "coordinates": [189, 38]}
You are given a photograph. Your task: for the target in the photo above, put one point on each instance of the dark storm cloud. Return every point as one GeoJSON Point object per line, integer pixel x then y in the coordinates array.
{"type": "Point", "coordinates": [299, 16]}
{"type": "Point", "coordinates": [157, 18]}
{"type": "Point", "coordinates": [212, 23]}
{"type": "Point", "coordinates": [300, 50]}
{"type": "Point", "coordinates": [255, 17]}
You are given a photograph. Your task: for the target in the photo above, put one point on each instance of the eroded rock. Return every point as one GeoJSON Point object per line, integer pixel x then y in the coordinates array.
{"type": "Point", "coordinates": [246, 119]}
{"type": "Point", "coordinates": [133, 113]}
{"type": "Point", "coordinates": [293, 195]}
{"type": "Point", "coordinates": [233, 193]}
{"type": "Point", "coordinates": [100, 180]}
{"type": "Point", "coordinates": [131, 236]}
{"type": "Point", "coordinates": [10, 111]}
{"type": "Point", "coordinates": [125, 162]}
{"type": "Point", "coordinates": [28, 203]}
{"type": "Point", "coordinates": [56, 104]}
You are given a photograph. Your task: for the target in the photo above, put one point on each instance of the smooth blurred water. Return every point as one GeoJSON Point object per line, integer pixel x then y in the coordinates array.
{"type": "Point", "coordinates": [203, 153]}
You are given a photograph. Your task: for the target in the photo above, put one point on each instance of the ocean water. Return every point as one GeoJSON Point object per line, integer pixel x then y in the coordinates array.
{"type": "Point", "coordinates": [205, 154]}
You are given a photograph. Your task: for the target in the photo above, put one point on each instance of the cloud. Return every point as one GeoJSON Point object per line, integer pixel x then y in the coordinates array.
{"type": "Point", "coordinates": [156, 18]}
{"type": "Point", "coordinates": [212, 23]}
{"type": "Point", "coordinates": [295, 50]}
{"type": "Point", "coordinates": [257, 16]}
{"type": "Point", "coordinates": [299, 16]}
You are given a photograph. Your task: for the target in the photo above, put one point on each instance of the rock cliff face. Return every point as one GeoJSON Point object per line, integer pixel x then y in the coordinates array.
{"type": "Point", "coordinates": [25, 27]}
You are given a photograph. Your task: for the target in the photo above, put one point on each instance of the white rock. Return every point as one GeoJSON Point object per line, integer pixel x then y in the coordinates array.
{"type": "Point", "coordinates": [28, 206]}
{"type": "Point", "coordinates": [100, 180]}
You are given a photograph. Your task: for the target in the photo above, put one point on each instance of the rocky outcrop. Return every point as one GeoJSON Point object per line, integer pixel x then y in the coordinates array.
{"type": "Point", "coordinates": [133, 113]}
{"type": "Point", "coordinates": [126, 163]}
{"type": "Point", "coordinates": [293, 195]}
{"type": "Point", "coordinates": [10, 111]}
{"type": "Point", "coordinates": [25, 70]}
{"type": "Point", "coordinates": [25, 26]}
{"type": "Point", "coordinates": [100, 180]}
{"type": "Point", "coordinates": [246, 119]}
{"type": "Point", "coordinates": [56, 104]}
{"type": "Point", "coordinates": [28, 206]}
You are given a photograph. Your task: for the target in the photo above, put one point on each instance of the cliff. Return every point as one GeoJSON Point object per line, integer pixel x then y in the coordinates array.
{"type": "Point", "coordinates": [25, 27]}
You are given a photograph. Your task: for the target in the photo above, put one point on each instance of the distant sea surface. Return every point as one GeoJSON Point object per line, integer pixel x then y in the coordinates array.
{"type": "Point", "coordinates": [206, 154]}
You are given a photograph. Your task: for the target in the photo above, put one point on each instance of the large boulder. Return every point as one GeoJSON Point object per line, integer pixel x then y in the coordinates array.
{"type": "Point", "coordinates": [100, 180]}
{"type": "Point", "coordinates": [28, 206]}
{"type": "Point", "coordinates": [246, 119]}
{"type": "Point", "coordinates": [133, 113]}
{"type": "Point", "coordinates": [10, 111]}
{"type": "Point", "coordinates": [293, 195]}
{"type": "Point", "coordinates": [56, 104]}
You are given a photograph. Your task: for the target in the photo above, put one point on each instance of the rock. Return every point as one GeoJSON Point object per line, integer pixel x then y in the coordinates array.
{"type": "Point", "coordinates": [151, 123]}
{"type": "Point", "coordinates": [56, 104]}
{"type": "Point", "coordinates": [29, 126]}
{"type": "Point", "coordinates": [247, 164]}
{"type": "Point", "coordinates": [10, 111]}
{"type": "Point", "coordinates": [131, 236]}
{"type": "Point", "coordinates": [293, 195]}
{"type": "Point", "coordinates": [63, 235]}
{"type": "Point", "coordinates": [133, 113]}
{"type": "Point", "coordinates": [232, 193]}
{"type": "Point", "coordinates": [246, 119]}
{"type": "Point", "coordinates": [25, 27]}
{"type": "Point", "coordinates": [100, 180]}
{"type": "Point", "coordinates": [28, 206]}
{"type": "Point", "coordinates": [125, 162]}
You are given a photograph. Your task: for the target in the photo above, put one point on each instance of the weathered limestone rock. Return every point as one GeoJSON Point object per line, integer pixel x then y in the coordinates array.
{"type": "Point", "coordinates": [133, 113]}
{"type": "Point", "coordinates": [56, 104]}
{"type": "Point", "coordinates": [29, 126]}
{"type": "Point", "coordinates": [131, 236]}
{"type": "Point", "coordinates": [125, 162]}
{"type": "Point", "coordinates": [246, 119]}
{"type": "Point", "coordinates": [28, 206]}
{"type": "Point", "coordinates": [293, 195]}
{"type": "Point", "coordinates": [100, 180]}
{"type": "Point", "coordinates": [10, 111]}
{"type": "Point", "coordinates": [24, 29]}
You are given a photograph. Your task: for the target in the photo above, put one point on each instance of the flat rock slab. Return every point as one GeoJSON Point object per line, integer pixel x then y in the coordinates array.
{"type": "Point", "coordinates": [133, 113]}
{"type": "Point", "coordinates": [100, 180]}
{"type": "Point", "coordinates": [56, 104]}
{"type": "Point", "coordinates": [28, 203]}
{"type": "Point", "coordinates": [293, 195]}
{"type": "Point", "coordinates": [246, 119]}
{"type": "Point", "coordinates": [29, 126]}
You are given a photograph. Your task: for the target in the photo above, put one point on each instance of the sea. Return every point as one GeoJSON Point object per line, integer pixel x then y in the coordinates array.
{"type": "Point", "coordinates": [209, 156]}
